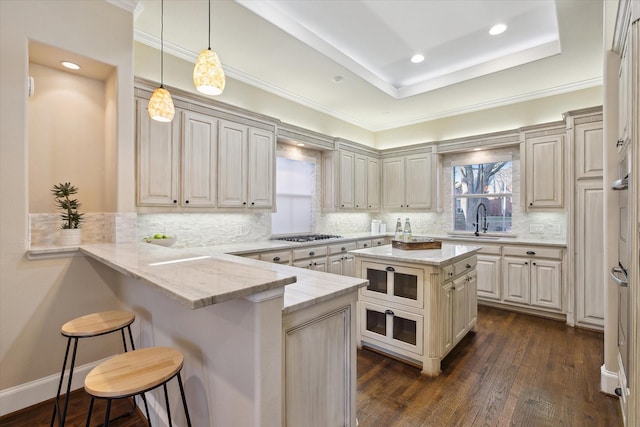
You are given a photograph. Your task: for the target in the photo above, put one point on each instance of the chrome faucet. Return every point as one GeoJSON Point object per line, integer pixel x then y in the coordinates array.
{"type": "Point", "coordinates": [485, 224]}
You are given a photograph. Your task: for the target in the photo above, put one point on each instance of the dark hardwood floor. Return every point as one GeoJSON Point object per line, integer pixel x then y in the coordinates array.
{"type": "Point", "coordinates": [516, 370]}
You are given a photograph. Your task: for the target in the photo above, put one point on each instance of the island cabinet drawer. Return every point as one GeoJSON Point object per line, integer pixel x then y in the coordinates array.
{"type": "Point", "coordinates": [280, 257]}
{"type": "Point", "coordinates": [394, 284]}
{"type": "Point", "coordinates": [309, 252]}
{"type": "Point", "coordinates": [465, 266]}
{"type": "Point", "coordinates": [397, 330]}
{"type": "Point", "coordinates": [531, 251]}
{"type": "Point", "coordinates": [343, 247]}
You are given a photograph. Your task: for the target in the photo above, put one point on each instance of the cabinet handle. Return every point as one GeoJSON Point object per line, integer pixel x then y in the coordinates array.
{"type": "Point", "coordinates": [618, 391]}
{"type": "Point", "coordinates": [389, 312]}
{"type": "Point", "coordinates": [343, 249]}
{"type": "Point", "coordinates": [619, 142]}
{"type": "Point", "coordinates": [390, 269]}
{"type": "Point", "coordinates": [365, 245]}
{"type": "Point", "coordinates": [276, 258]}
{"type": "Point", "coordinates": [253, 203]}
{"type": "Point", "coordinates": [312, 253]}
{"type": "Point", "coordinates": [369, 206]}
{"type": "Point", "coordinates": [175, 201]}
{"type": "Point", "coordinates": [531, 204]}
{"type": "Point", "coordinates": [357, 206]}
{"type": "Point", "coordinates": [531, 253]}
{"type": "Point", "coordinates": [379, 243]}
{"type": "Point", "coordinates": [468, 265]}
{"type": "Point", "coordinates": [186, 201]}
{"type": "Point", "coordinates": [244, 203]}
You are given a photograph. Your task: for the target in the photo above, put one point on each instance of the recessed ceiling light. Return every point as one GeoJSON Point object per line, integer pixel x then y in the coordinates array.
{"type": "Point", "coordinates": [338, 79]}
{"type": "Point", "coordinates": [300, 144]}
{"type": "Point", "coordinates": [70, 65]}
{"type": "Point", "coordinates": [497, 29]}
{"type": "Point", "coordinates": [417, 58]}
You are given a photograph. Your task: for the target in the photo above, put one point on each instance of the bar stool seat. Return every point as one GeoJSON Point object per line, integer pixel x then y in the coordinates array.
{"type": "Point", "coordinates": [134, 373]}
{"type": "Point", "coordinates": [90, 325]}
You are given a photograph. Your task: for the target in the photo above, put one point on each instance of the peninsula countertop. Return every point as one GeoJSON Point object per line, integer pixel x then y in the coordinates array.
{"type": "Point", "coordinates": [447, 254]}
{"type": "Point", "coordinates": [193, 279]}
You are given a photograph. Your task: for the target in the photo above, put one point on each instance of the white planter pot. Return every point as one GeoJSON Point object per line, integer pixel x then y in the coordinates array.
{"type": "Point", "coordinates": [70, 237]}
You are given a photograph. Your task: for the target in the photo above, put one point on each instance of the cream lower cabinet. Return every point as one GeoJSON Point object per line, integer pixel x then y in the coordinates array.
{"type": "Point", "coordinates": [312, 258]}
{"type": "Point", "coordinates": [416, 312]}
{"type": "Point", "coordinates": [340, 261]}
{"type": "Point", "coordinates": [319, 364]}
{"type": "Point", "coordinates": [532, 277]}
{"type": "Point", "coordinates": [489, 271]}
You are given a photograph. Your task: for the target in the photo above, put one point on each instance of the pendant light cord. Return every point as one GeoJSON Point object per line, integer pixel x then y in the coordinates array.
{"type": "Point", "coordinates": [209, 24]}
{"type": "Point", "coordinates": [162, 43]}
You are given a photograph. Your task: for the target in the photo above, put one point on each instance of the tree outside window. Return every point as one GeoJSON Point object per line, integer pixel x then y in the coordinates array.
{"type": "Point", "coordinates": [487, 183]}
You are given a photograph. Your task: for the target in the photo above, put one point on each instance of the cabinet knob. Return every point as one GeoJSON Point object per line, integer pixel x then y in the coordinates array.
{"type": "Point", "coordinates": [389, 312]}
{"type": "Point", "coordinates": [531, 204]}
{"type": "Point", "coordinates": [343, 249]}
{"type": "Point", "coordinates": [186, 201]}
{"type": "Point", "coordinates": [407, 205]}
{"type": "Point", "coordinates": [468, 265]}
{"type": "Point", "coordinates": [342, 206]}
{"type": "Point", "coordinates": [276, 258]}
{"type": "Point", "coordinates": [533, 263]}
{"type": "Point", "coordinates": [526, 263]}
{"type": "Point", "coordinates": [244, 203]}
{"type": "Point", "coordinates": [357, 206]}
{"type": "Point", "coordinates": [253, 203]}
{"type": "Point", "coordinates": [390, 268]}
{"type": "Point", "coordinates": [618, 391]}
{"type": "Point", "coordinates": [369, 206]}
{"type": "Point", "coordinates": [531, 253]}
{"type": "Point", "coordinates": [365, 245]}
{"type": "Point", "coordinates": [175, 201]}
{"type": "Point", "coordinates": [312, 253]}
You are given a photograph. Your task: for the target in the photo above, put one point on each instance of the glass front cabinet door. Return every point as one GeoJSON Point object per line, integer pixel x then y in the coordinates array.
{"type": "Point", "coordinates": [394, 284]}
{"type": "Point", "coordinates": [398, 328]}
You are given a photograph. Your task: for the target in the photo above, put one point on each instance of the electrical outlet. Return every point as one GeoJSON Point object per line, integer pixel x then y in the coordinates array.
{"type": "Point", "coordinates": [536, 228]}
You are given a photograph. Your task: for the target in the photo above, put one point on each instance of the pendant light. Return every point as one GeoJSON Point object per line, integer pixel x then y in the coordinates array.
{"type": "Point", "coordinates": [208, 75]}
{"type": "Point", "coordinates": [161, 105]}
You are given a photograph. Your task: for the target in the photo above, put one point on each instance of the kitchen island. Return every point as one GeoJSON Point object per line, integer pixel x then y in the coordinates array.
{"type": "Point", "coordinates": [251, 333]}
{"type": "Point", "coordinates": [419, 303]}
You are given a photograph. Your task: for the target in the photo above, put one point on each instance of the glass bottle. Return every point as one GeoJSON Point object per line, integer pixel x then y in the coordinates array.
{"type": "Point", "coordinates": [398, 235]}
{"type": "Point", "coordinates": [407, 230]}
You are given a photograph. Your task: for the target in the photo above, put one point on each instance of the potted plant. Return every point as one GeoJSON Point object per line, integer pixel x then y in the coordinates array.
{"type": "Point", "coordinates": [70, 233]}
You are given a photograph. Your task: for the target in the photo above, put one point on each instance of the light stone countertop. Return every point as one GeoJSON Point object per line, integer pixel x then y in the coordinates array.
{"type": "Point", "coordinates": [446, 255]}
{"type": "Point", "coordinates": [191, 278]}
{"type": "Point", "coordinates": [311, 287]}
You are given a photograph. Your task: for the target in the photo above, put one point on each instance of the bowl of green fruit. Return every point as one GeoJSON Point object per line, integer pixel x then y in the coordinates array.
{"type": "Point", "coordinates": [161, 239]}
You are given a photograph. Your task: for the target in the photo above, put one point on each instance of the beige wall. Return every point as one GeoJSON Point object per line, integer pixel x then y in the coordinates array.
{"type": "Point", "coordinates": [37, 296]}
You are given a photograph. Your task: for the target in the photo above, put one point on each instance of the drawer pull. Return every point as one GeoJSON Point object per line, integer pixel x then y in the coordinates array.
{"type": "Point", "coordinates": [618, 392]}
{"type": "Point", "coordinates": [343, 249]}
{"type": "Point", "coordinates": [389, 312]}
{"type": "Point", "coordinates": [531, 253]}
{"type": "Point", "coordinates": [468, 266]}
{"type": "Point", "coordinates": [312, 253]}
{"type": "Point", "coordinates": [390, 269]}
{"type": "Point", "coordinates": [276, 258]}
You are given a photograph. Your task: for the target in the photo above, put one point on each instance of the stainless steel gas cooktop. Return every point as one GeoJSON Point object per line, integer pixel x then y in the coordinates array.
{"type": "Point", "coordinates": [307, 237]}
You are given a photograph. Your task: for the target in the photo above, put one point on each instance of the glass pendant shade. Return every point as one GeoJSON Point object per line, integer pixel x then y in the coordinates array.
{"type": "Point", "coordinates": [208, 75]}
{"type": "Point", "coordinates": [161, 105]}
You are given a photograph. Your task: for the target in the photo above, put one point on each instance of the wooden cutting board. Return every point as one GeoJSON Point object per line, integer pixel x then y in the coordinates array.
{"type": "Point", "coordinates": [415, 244]}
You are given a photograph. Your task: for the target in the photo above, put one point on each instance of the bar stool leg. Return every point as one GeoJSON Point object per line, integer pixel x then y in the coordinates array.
{"type": "Point", "coordinates": [62, 415]}
{"type": "Point", "coordinates": [90, 411]}
{"type": "Point", "coordinates": [184, 400]}
{"type": "Point", "coordinates": [146, 408]}
{"type": "Point", "coordinates": [166, 401]}
{"type": "Point", "coordinates": [106, 414]}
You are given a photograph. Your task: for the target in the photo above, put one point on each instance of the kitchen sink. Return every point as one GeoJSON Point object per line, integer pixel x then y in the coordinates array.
{"type": "Point", "coordinates": [472, 237]}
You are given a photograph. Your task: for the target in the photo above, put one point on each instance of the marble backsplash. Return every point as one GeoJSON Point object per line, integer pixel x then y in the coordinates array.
{"type": "Point", "coordinates": [44, 228]}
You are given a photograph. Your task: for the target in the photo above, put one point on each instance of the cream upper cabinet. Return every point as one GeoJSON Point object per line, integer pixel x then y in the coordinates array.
{"type": "Point", "coordinates": [245, 166]}
{"type": "Point", "coordinates": [199, 147]}
{"type": "Point", "coordinates": [544, 171]}
{"type": "Point", "coordinates": [351, 180]}
{"type": "Point", "coordinates": [177, 160]}
{"type": "Point", "coordinates": [588, 145]}
{"type": "Point", "coordinates": [407, 182]}
{"type": "Point", "coordinates": [158, 169]}
{"type": "Point", "coordinates": [346, 182]}
{"type": "Point", "coordinates": [373, 183]}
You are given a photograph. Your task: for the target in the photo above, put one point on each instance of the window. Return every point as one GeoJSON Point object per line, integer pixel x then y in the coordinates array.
{"type": "Point", "coordinates": [486, 184]}
{"type": "Point", "coordinates": [295, 183]}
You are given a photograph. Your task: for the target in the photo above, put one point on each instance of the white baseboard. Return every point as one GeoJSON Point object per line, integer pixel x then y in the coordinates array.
{"type": "Point", "coordinates": [608, 381]}
{"type": "Point", "coordinates": [24, 395]}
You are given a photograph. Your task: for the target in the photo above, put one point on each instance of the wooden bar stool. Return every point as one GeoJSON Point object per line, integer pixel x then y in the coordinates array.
{"type": "Point", "coordinates": [134, 373]}
{"type": "Point", "coordinates": [91, 325]}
